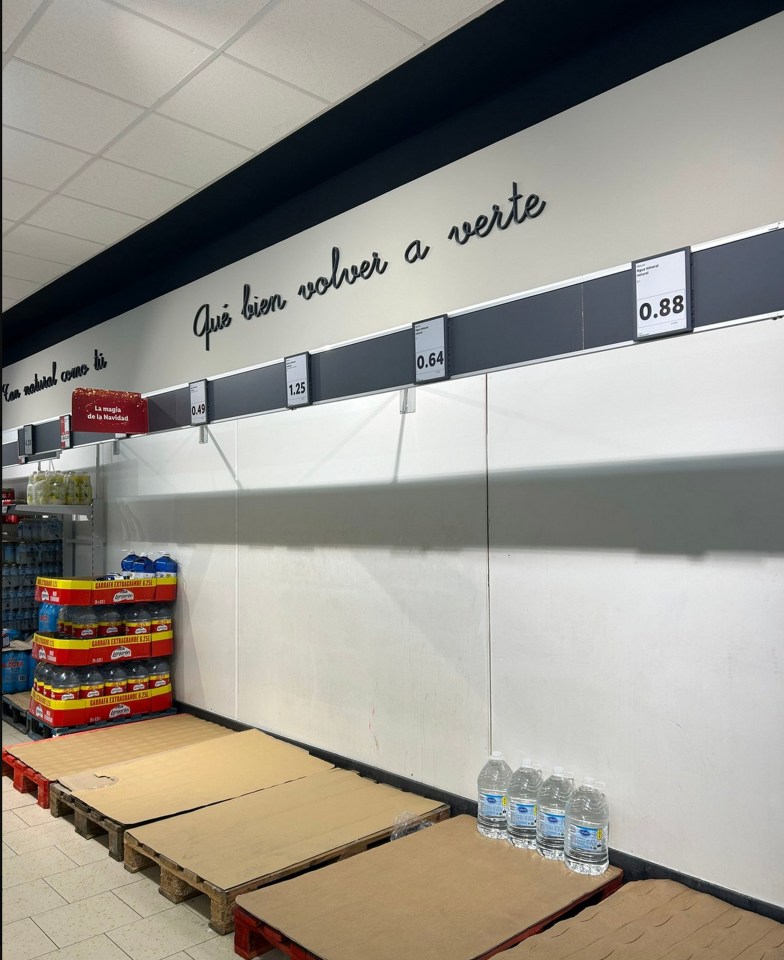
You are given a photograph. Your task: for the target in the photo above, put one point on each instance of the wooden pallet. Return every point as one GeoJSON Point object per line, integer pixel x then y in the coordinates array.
{"type": "Point", "coordinates": [179, 884]}
{"type": "Point", "coordinates": [15, 706]}
{"type": "Point", "coordinates": [26, 780]}
{"type": "Point", "coordinates": [88, 821]}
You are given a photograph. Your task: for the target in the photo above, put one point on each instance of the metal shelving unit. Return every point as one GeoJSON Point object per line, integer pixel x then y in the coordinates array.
{"type": "Point", "coordinates": [83, 527]}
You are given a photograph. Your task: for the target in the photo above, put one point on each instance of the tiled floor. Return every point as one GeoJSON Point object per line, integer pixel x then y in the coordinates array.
{"type": "Point", "coordinates": [65, 898]}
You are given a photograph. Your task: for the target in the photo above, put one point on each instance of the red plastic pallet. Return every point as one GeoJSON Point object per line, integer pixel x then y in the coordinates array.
{"type": "Point", "coordinates": [26, 780]}
{"type": "Point", "coordinates": [253, 937]}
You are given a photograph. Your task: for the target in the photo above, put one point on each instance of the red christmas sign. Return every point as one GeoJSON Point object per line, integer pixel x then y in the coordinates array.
{"type": "Point", "coordinates": [108, 411]}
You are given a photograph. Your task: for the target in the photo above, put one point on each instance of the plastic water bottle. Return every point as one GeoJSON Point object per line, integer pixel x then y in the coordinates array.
{"type": "Point", "coordinates": [165, 566]}
{"type": "Point", "coordinates": [143, 567]}
{"type": "Point", "coordinates": [492, 782]}
{"type": "Point", "coordinates": [127, 562]}
{"type": "Point", "coordinates": [551, 799]}
{"type": "Point", "coordinates": [522, 804]}
{"type": "Point", "coordinates": [587, 826]}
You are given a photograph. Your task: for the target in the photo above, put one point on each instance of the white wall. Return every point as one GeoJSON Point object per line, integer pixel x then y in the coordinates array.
{"type": "Point", "coordinates": [637, 590]}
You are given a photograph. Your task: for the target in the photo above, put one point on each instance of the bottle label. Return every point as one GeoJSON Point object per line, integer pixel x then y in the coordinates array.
{"type": "Point", "coordinates": [551, 825]}
{"type": "Point", "coordinates": [160, 680]}
{"type": "Point", "coordinates": [522, 814]}
{"type": "Point", "coordinates": [492, 803]}
{"type": "Point", "coordinates": [586, 839]}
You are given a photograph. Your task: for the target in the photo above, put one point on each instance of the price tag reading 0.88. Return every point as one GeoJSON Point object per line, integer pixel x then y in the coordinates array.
{"type": "Point", "coordinates": [664, 308]}
{"type": "Point", "coordinates": [663, 294]}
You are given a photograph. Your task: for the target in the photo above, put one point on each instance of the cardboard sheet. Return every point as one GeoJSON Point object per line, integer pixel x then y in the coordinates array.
{"type": "Point", "coordinates": [190, 777]}
{"type": "Point", "coordinates": [283, 828]}
{"type": "Point", "coordinates": [654, 919]}
{"type": "Point", "coordinates": [444, 893]}
{"type": "Point", "coordinates": [58, 756]}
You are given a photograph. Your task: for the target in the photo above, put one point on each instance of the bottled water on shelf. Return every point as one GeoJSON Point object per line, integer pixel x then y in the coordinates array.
{"type": "Point", "coordinates": [586, 831]}
{"type": "Point", "coordinates": [492, 783]}
{"type": "Point", "coordinates": [551, 800]}
{"type": "Point", "coordinates": [522, 804]}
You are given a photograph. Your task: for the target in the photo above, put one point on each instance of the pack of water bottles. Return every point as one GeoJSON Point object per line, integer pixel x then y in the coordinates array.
{"type": "Point", "coordinates": [548, 815]}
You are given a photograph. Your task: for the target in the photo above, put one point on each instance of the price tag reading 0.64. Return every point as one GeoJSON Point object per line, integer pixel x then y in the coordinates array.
{"type": "Point", "coordinates": [432, 359]}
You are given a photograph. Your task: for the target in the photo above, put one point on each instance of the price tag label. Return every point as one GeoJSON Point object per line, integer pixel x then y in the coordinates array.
{"type": "Point", "coordinates": [65, 431]}
{"type": "Point", "coordinates": [198, 395]}
{"type": "Point", "coordinates": [430, 350]}
{"type": "Point", "coordinates": [25, 442]}
{"type": "Point", "coordinates": [298, 380]}
{"type": "Point", "coordinates": [662, 291]}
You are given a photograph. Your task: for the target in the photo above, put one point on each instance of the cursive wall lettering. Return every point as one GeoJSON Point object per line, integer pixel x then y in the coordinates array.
{"type": "Point", "coordinates": [484, 225]}
{"type": "Point", "coordinates": [204, 325]}
{"type": "Point", "coordinates": [341, 275]}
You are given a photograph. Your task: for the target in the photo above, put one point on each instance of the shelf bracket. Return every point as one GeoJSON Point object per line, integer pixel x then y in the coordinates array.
{"type": "Point", "coordinates": [408, 400]}
{"type": "Point", "coordinates": [204, 436]}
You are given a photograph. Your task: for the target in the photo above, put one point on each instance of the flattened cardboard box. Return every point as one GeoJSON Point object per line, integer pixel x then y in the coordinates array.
{"type": "Point", "coordinates": [654, 919]}
{"type": "Point", "coordinates": [190, 777]}
{"type": "Point", "coordinates": [443, 892]}
{"type": "Point", "coordinates": [281, 829]}
{"type": "Point", "coordinates": [58, 756]}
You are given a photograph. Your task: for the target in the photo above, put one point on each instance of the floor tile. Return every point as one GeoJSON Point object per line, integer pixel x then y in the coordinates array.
{"type": "Point", "coordinates": [29, 898]}
{"type": "Point", "coordinates": [84, 919]}
{"type": "Point", "coordinates": [158, 937]}
{"type": "Point", "coordinates": [144, 898]}
{"type": "Point", "coordinates": [31, 866]}
{"type": "Point", "coordinates": [178, 956]}
{"type": "Point", "coordinates": [32, 815]}
{"type": "Point", "coordinates": [12, 822]}
{"type": "Point", "coordinates": [7, 851]}
{"type": "Point", "coordinates": [84, 850]}
{"type": "Point", "coordinates": [8, 784]}
{"type": "Point", "coordinates": [91, 879]}
{"type": "Point", "coordinates": [12, 799]}
{"type": "Point", "coordinates": [96, 948]}
{"type": "Point", "coordinates": [39, 836]}
{"type": "Point", "coordinates": [219, 948]}
{"type": "Point", "coordinates": [23, 940]}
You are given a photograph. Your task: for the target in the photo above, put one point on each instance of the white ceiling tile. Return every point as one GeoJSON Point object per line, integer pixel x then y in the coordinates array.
{"type": "Point", "coordinates": [330, 49]}
{"type": "Point", "coordinates": [211, 21]}
{"type": "Point", "coordinates": [235, 101]}
{"type": "Point", "coordinates": [16, 13]}
{"type": "Point", "coordinates": [163, 146]}
{"type": "Point", "coordinates": [118, 52]}
{"type": "Point", "coordinates": [130, 191]}
{"type": "Point", "coordinates": [19, 199]}
{"type": "Point", "coordinates": [41, 163]}
{"type": "Point", "coordinates": [31, 268]}
{"type": "Point", "coordinates": [36, 242]}
{"type": "Point", "coordinates": [433, 18]}
{"type": "Point", "coordinates": [53, 107]}
{"type": "Point", "coordinates": [84, 220]}
{"type": "Point", "coordinates": [7, 304]}
{"type": "Point", "coordinates": [14, 289]}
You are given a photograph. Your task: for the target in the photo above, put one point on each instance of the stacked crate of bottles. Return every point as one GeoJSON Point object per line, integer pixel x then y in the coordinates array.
{"type": "Point", "coordinates": [101, 648]}
{"type": "Point", "coordinates": [32, 548]}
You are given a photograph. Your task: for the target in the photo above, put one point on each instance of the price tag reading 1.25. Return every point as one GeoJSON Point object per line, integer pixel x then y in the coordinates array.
{"type": "Point", "coordinates": [198, 396]}
{"type": "Point", "coordinates": [430, 350]}
{"type": "Point", "coordinates": [298, 380]}
{"type": "Point", "coordinates": [662, 291]}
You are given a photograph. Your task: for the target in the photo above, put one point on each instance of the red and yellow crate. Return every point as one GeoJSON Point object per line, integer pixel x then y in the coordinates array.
{"type": "Point", "coordinates": [91, 593]}
{"type": "Point", "coordinates": [77, 712]}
